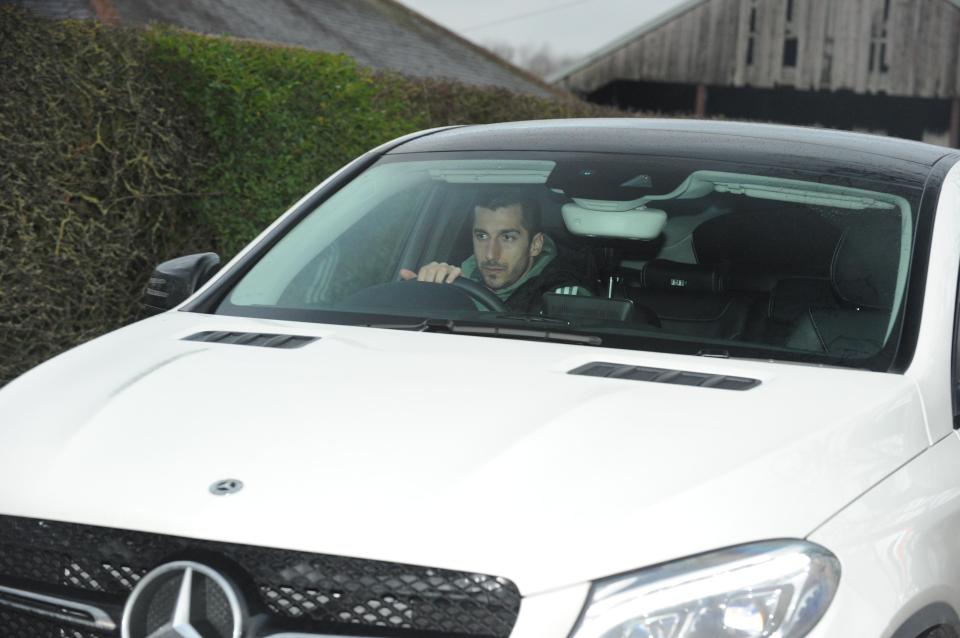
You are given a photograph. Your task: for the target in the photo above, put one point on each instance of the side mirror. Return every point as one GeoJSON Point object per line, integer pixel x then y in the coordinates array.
{"type": "Point", "coordinates": [175, 280]}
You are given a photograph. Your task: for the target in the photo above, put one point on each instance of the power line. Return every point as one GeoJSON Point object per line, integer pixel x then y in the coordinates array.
{"type": "Point", "coordinates": [525, 15]}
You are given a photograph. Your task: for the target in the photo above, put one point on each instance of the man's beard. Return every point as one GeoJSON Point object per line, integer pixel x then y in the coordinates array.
{"type": "Point", "coordinates": [500, 270]}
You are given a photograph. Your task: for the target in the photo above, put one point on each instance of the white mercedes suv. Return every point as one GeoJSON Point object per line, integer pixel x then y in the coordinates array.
{"type": "Point", "coordinates": [569, 379]}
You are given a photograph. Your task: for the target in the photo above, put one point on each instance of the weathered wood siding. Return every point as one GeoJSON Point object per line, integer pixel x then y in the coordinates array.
{"type": "Point", "coordinates": [898, 47]}
{"type": "Point", "coordinates": [695, 47]}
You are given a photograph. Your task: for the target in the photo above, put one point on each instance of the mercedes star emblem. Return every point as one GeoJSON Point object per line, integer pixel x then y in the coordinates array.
{"type": "Point", "coordinates": [226, 486]}
{"type": "Point", "coordinates": [183, 599]}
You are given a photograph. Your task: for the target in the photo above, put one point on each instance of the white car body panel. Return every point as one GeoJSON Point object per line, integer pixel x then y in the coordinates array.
{"type": "Point", "coordinates": [559, 456]}
{"type": "Point", "coordinates": [898, 543]}
{"type": "Point", "coordinates": [932, 360]}
{"type": "Point", "coordinates": [550, 614]}
{"type": "Point", "coordinates": [377, 444]}
{"type": "Point", "coordinates": [899, 547]}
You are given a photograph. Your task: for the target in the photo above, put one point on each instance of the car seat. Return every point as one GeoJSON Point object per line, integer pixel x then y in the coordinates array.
{"type": "Point", "coordinates": [863, 278]}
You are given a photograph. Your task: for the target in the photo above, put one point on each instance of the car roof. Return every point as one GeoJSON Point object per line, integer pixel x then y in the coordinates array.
{"type": "Point", "coordinates": [860, 154]}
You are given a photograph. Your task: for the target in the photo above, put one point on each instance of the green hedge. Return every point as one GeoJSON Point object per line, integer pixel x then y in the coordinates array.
{"type": "Point", "coordinates": [120, 148]}
{"type": "Point", "coordinates": [99, 170]}
{"type": "Point", "coordinates": [281, 119]}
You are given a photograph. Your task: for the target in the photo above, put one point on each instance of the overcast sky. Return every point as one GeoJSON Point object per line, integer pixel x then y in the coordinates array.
{"type": "Point", "coordinates": [570, 27]}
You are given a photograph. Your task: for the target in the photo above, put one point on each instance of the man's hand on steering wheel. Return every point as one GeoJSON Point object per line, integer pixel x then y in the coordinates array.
{"type": "Point", "coordinates": [433, 272]}
{"type": "Point", "coordinates": [446, 274]}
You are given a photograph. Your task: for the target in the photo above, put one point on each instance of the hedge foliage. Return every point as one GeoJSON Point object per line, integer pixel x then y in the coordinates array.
{"type": "Point", "coordinates": [281, 119]}
{"type": "Point", "coordinates": [98, 166]}
{"type": "Point", "coordinates": [120, 148]}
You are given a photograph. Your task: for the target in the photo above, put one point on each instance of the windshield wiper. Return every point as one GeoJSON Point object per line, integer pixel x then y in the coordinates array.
{"type": "Point", "coordinates": [450, 326]}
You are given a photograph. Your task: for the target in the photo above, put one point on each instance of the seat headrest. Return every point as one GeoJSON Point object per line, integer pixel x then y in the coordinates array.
{"type": "Point", "coordinates": [662, 274]}
{"type": "Point", "coordinates": [787, 242]}
{"type": "Point", "coordinates": [864, 270]}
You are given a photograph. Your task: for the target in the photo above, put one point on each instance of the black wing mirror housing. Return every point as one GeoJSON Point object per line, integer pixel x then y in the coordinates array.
{"type": "Point", "coordinates": [175, 280]}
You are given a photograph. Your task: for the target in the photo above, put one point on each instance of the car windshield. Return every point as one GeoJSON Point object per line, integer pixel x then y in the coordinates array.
{"type": "Point", "coordinates": [624, 251]}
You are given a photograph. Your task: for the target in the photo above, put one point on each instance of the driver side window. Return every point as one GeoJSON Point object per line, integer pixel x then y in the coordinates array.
{"type": "Point", "coordinates": [365, 255]}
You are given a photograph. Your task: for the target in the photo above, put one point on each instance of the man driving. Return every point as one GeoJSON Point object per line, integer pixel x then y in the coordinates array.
{"type": "Point", "coordinates": [511, 256]}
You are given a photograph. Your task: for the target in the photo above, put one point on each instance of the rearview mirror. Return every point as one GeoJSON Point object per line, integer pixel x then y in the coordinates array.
{"type": "Point", "coordinates": [175, 280]}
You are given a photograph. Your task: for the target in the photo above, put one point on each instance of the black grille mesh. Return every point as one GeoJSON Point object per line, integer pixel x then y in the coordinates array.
{"type": "Point", "coordinates": [312, 591]}
{"type": "Point", "coordinates": [14, 625]}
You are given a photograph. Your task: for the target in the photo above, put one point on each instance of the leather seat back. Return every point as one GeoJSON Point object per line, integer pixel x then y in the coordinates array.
{"type": "Point", "coordinates": [863, 279]}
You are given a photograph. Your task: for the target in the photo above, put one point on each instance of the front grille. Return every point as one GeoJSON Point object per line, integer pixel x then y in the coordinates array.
{"type": "Point", "coordinates": [15, 625]}
{"type": "Point", "coordinates": [298, 591]}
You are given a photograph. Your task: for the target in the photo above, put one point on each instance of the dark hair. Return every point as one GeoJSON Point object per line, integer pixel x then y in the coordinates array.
{"type": "Point", "coordinates": [529, 208]}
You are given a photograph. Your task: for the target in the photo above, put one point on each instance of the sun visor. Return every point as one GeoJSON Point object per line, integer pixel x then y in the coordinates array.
{"type": "Point", "coordinates": [639, 223]}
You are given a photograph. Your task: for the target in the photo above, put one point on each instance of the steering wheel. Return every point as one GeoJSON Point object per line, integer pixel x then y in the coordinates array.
{"type": "Point", "coordinates": [480, 293]}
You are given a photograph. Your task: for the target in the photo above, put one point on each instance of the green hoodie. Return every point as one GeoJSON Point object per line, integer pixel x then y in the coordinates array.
{"type": "Point", "coordinates": [540, 262]}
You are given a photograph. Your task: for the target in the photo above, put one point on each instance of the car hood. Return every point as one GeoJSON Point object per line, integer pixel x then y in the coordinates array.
{"type": "Point", "coordinates": [448, 451]}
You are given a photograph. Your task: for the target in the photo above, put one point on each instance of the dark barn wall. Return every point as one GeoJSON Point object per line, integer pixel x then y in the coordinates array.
{"type": "Point", "coordinates": [649, 97]}
{"type": "Point", "coordinates": [910, 118]}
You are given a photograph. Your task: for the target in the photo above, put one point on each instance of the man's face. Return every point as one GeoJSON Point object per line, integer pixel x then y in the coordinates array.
{"type": "Point", "coordinates": [502, 246]}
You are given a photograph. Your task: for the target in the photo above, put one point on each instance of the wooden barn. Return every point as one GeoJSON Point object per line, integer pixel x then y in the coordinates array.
{"type": "Point", "coordinates": [887, 66]}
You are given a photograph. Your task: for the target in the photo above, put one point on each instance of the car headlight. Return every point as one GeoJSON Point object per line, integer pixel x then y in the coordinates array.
{"type": "Point", "coordinates": [775, 589]}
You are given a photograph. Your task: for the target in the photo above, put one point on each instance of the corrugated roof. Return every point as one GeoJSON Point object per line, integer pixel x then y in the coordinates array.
{"type": "Point", "coordinates": [58, 9]}
{"type": "Point", "coordinates": [380, 34]}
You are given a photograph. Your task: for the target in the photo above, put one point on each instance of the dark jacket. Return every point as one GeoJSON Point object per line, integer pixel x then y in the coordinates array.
{"type": "Point", "coordinates": [558, 277]}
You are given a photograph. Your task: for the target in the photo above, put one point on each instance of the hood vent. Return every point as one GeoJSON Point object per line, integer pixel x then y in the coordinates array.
{"type": "Point", "coordinates": [252, 339]}
{"type": "Point", "coordinates": [662, 375]}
